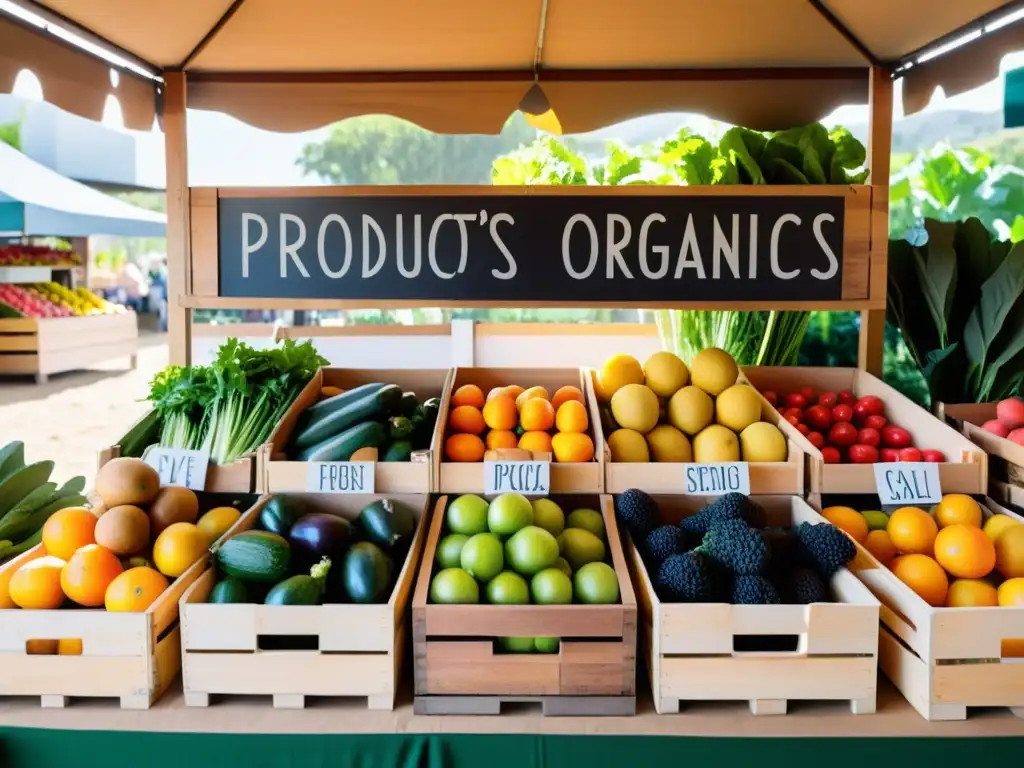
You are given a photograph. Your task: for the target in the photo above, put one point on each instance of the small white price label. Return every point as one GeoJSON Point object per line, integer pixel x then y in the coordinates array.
{"type": "Point", "coordinates": [340, 477]}
{"type": "Point", "coordinates": [716, 479]}
{"type": "Point", "coordinates": [177, 466]}
{"type": "Point", "coordinates": [530, 478]}
{"type": "Point", "coordinates": [908, 482]}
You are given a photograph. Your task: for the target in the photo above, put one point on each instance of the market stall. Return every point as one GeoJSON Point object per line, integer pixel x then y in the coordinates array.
{"type": "Point", "coordinates": [594, 642]}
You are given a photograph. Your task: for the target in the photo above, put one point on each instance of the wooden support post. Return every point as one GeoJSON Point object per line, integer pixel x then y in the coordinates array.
{"type": "Point", "coordinates": [179, 281]}
{"type": "Point", "coordinates": [872, 322]}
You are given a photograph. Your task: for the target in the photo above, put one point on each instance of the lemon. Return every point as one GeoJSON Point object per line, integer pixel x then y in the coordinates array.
{"type": "Point", "coordinates": [690, 410]}
{"type": "Point", "coordinates": [715, 444]}
{"type": "Point", "coordinates": [737, 407]}
{"type": "Point", "coordinates": [996, 525]}
{"type": "Point", "coordinates": [617, 372]}
{"type": "Point", "coordinates": [628, 445]}
{"type": "Point", "coordinates": [635, 406]}
{"type": "Point", "coordinates": [667, 443]}
{"type": "Point", "coordinates": [762, 441]}
{"type": "Point", "coordinates": [665, 373]}
{"type": "Point", "coordinates": [713, 370]}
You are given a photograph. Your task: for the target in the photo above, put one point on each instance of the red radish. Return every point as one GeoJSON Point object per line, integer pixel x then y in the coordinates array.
{"type": "Point", "coordinates": [831, 455]}
{"type": "Point", "coordinates": [842, 413]}
{"type": "Point", "coordinates": [842, 434]}
{"type": "Point", "coordinates": [1017, 436]}
{"type": "Point", "coordinates": [936, 457]}
{"type": "Point", "coordinates": [809, 394]}
{"type": "Point", "coordinates": [869, 436]}
{"type": "Point", "coordinates": [846, 397]}
{"type": "Point", "coordinates": [803, 428]}
{"type": "Point", "coordinates": [794, 412]}
{"type": "Point", "coordinates": [794, 420]}
{"type": "Point", "coordinates": [819, 417]}
{"type": "Point", "coordinates": [770, 396]}
{"type": "Point", "coordinates": [863, 454]}
{"type": "Point", "coordinates": [1011, 412]}
{"type": "Point", "coordinates": [996, 427]}
{"type": "Point", "coordinates": [828, 399]}
{"type": "Point", "coordinates": [795, 400]}
{"type": "Point", "coordinates": [816, 439]}
{"type": "Point", "coordinates": [910, 453]}
{"type": "Point", "coordinates": [895, 437]}
{"type": "Point", "coordinates": [875, 422]}
{"type": "Point", "coordinates": [889, 455]}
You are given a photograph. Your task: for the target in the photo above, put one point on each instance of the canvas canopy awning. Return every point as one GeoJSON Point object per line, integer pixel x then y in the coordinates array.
{"type": "Point", "coordinates": [465, 65]}
{"type": "Point", "coordinates": [35, 200]}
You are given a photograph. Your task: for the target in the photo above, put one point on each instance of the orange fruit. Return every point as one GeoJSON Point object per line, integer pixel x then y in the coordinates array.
{"type": "Point", "coordinates": [537, 415]}
{"type": "Point", "coordinates": [531, 394]}
{"type": "Point", "coordinates": [177, 547]}
{"type": "Point", "coordinates": [1011, 593]}
{"type": "Point", "coordinates": [570, 447]}
{"type": "Point", "coordinates": [539, 442]}
{"type": "Point", "coordinates": [847, 519]}
{"type": "Point", "coordinates": [468, 394]}
{"type": "Point", "coordinates": [971, 593]}
{"type": "Point", "coordinates": [36, 585]}
{"type": "Point", "coordinates": [497, 392]}
{"type": "Point", "coordinates": [514, 391]}
{"type": "Point", "coordinates": [965, 551]}
{"type": "Point", "coordinates": [1010, 552]}
{"type": "Point", "coordinates": [467, 419]}
{"type": "Point", "coordinates": [498, 439]}
{"type": "Point", "coordinates": [957, 509]}
{"type": "Point", "coordinates": [68, 530]}
{"type": "Point", "coordinates": [565, 394]}
{"type": "Point", "coordinates": [880, 545]}
{"type": "Point", "coordinates": [912, 531]}
{"type": "Point", "coordinates": [923, 575]}
{"type": "Point", "coordinates": [464, 448]}
{"type": "Point", "coordinates": [134, 590]}
{"type": "Point", "coordinates": [571, 416]}
{"type": "Point", "coordinates": [997, 524]}
{"type": "Point", "coordinates": [88, 574]}
{"type": "Point", "coordinates": [501, 413]}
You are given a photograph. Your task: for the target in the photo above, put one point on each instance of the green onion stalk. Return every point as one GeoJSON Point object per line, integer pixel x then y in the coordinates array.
{"type": "Point", "coordinates": [751, 338]}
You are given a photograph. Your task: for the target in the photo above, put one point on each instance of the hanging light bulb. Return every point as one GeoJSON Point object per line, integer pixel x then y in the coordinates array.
{"type": "Point", "coordinates": [538, 112]}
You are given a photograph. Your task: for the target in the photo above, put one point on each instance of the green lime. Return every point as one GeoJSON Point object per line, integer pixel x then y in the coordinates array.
{"type": "Point", "coordinates": [508, 513]}
{"type": "Point", "coordinates": [588, 520]}
{"type": "Point", "coordinates": [467, 515]}
{"type": "Point", "coordinates": [546, 644]}
{"type": "Point", "coordinates": [563, 565]}
{"type": "Point", "coordinates": [482, 556]}
{"type": "Point", "coordinates": [877, 521]}
{"type": "Point", "coordinates": [508, 588]}
{"type": "Point", "coordinates": [579, 547]}
{"type": "Point", "coordinates": [531, 549]}
{"type": "Point", "coordinates": [549, 516]}
{"type": "Point", "coordinates": [551, 587]}
{"type": "Point", "coordinates": [516, 644]}
{"type": "Point", "coordinates": [596, 584]}
{"type": "Point", "coordinates": [449, 550]}
{"type": "Point", "coordinates": [454, 585]}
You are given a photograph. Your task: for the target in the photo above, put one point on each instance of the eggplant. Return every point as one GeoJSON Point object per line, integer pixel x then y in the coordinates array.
{"type": "Point", "coordinates": [319, 535]}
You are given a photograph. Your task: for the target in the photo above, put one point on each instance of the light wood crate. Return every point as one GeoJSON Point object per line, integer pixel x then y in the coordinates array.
{"type": "Point", "coordinates": [947, 660]}
{"type": "Point", "coordinates": [360, 648]}
{"type": "Point", "coordinates": [583, 477]}
{"type": "Point", "coordinates": [966, 470]}
{"type": "Point", "coordinates": [690, 651]}
{"type": "Point", "coordinates": [772, 477]}
{"type": "Point", "coordinates": [43, 346]}
{"type": "Point", "coordinates": [1006, 458]}
{"type": "Point", "coordinates": [458, 672]}
{"type": "Point", "coordinates": [416, 476]}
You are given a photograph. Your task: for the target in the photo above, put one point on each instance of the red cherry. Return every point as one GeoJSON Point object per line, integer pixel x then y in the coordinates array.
{"type": "Point", "coordinates": [869, 436]}
{"type": "Point", "coordinates": [796, 412]}
{"type": "Point", "coordinates": [796, 400]}
{"type": "Point", "coordinates": [936, 457]}
{"type": "Point", "coordinates": [803, 428]}
{"type": "Point", "coordinates": [889, 455]}
{"type": "Point", "coordinates": [816, 439]}
{"type": "Point", "coordinates": [842, 413]}
{"type": "Point", "coordinates": [770, 396]}
{"type": "Point", "coordinates": [819, 417]}
{"type": "Point", "coordinates": [846, 397]}
{"type": "Point", "coordinates": [809, 394]}
{"type": "Point", "coordinates": [875, 422]}
{"type": "Point", "coordinates": [830, 455]}
{"type": "Point", "coordinates": [828, 399]}
{"type": "Point", "coordinates": [843, 434]}
{"type": "Point", "coordinates": [863, 454]}
{"type": "Point", "coordinates": [910, 454]}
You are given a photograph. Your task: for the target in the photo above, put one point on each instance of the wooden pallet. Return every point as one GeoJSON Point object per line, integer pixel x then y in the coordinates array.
{"type": "Point", "coordinates": [43, 346]}
{"type": "Point", "coordinates": [359, 649]}
{"type": "Point", "coordinates": [691, 651]}
{"type": "Point", "coordinates": [458, 669]}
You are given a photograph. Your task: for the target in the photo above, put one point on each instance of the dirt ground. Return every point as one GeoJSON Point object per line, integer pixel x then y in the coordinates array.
{"type": "Point", "coordinates": [71, 417]}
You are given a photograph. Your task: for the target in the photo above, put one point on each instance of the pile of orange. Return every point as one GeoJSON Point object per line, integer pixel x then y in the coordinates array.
{"type": "Point", "coordinates": [513, 417]}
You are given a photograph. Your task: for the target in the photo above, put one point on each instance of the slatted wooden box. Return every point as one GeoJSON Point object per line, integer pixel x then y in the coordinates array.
{"type": "Point", "coordinates": [359, 649]}
{"type": "Point", "coordinates": [458, 671]}
{"type": "Point", "coordinates": [691, 647]}
{"type": "Point", "coordinates": [43, 346]}
{"type": "Point", "coordinates": [416, 476]}
{"type": "Point", "coordinates": [773, 477]}
{"type": "Point", "coordinates": [947, 660]}
{"type": "Point", "coordinates": [583, 477]}
{"type": "Point", "coordinates": [966, 468]}
{"type": "Point", "coordinates": [1006, 458]}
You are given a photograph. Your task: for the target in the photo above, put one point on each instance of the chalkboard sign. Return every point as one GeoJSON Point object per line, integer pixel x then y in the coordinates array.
{"type": "Point", "coordinates": [628, 250]}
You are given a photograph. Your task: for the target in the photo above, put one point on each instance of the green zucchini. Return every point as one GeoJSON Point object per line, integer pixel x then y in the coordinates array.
{"type": "Point", "coordinates": [255, 556]}
{"type": "Point", "coordinates": [22, 483]}
{"type": "Point", "coordinates": [12, 458]}
{"type": "Point", "coordinates": [370, 434]}
{"type": "Point", "coordinates": [143, 434]}
{"type": "Point", "coordinates": [409, 403]}
{"type": "Point", "coordinates": [325, 408]}
{"type": "Point", "coordinates": [367, 576]}
{"type": "Point", "coordinates": [301, 589]}
{"type": "Point", "coordinates": [400, 427]}
{"type": "Point", "coordinates": [386, 523]}
{"type": "Point", "coordinates": [280, 513]}
{"type": "Point", "coordinates": [432, 408]}
{"type": "Point", "coordinates": [229, 590]}
{"type": "Point", "coordinates": [372, 406]}
{"type": "Point", "coordinates": [400, 450]}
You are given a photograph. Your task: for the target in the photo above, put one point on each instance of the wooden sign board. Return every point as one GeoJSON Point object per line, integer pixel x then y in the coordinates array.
{"type": "Point", "coordinates": [593, 246]}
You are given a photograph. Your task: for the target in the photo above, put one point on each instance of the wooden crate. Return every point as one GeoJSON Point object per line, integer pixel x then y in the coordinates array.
{"type": "Point", "coordinates": [774, 477]}
{"type": "Point", "coordinates": [130, 656]}
{"type": "Point", "coordinates": [360, 648]}
{"type": "Point", "coordinates": [690, 647]}
{"type": "Point", "coordinates": [458, 672]}
{"type": "Point", "coordinates": [583, 477]}
{"type": "Point", "coordinates": [415, 476]}
{"type": "Point", "coordinates": [43, 346]}
{"type": "Point", "coordinates": [1006, 458]}
{"type": "Point", "coordinates": [966, 470]}
{"type": "Point", "coordinates": [946, 660]}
